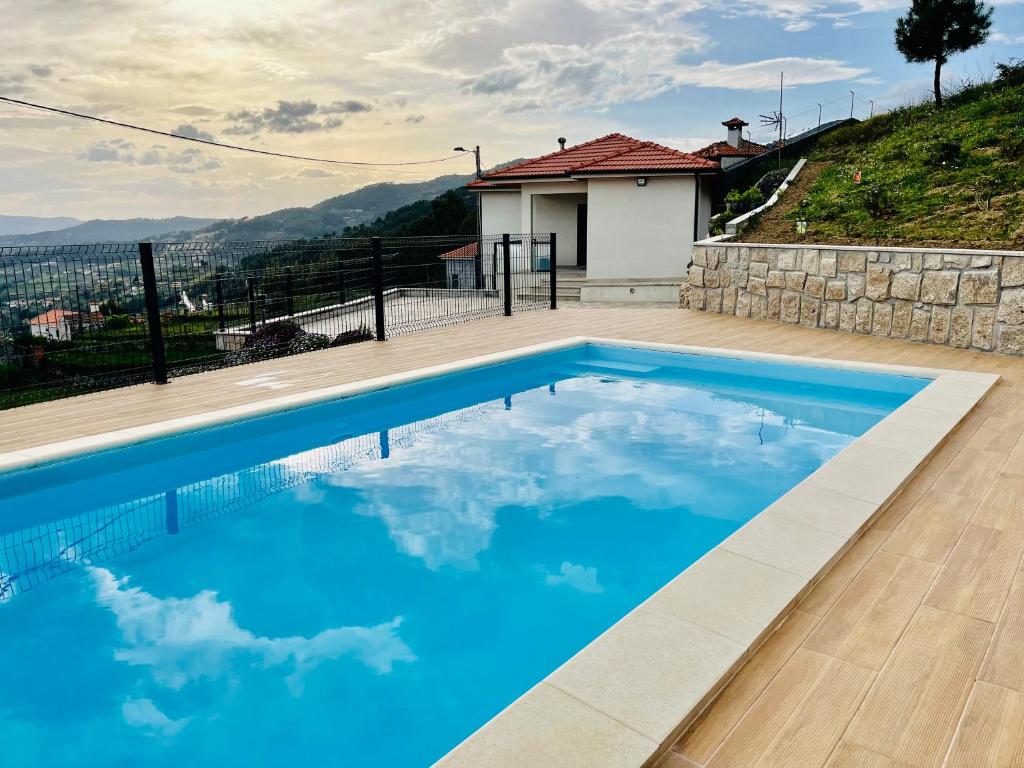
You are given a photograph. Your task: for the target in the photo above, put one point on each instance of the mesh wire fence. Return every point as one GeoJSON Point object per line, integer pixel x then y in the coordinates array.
{"type": "Point", "coordinates": [77, 319]}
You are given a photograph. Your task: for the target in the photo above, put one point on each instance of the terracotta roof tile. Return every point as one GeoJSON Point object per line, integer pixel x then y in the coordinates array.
{"type": "Point", "coordinates": [725, 149]}
{"type": "Point", "coordinates": [735, 122]}
{"type": "Point", "coordinates": [461, 253]}
{"type": "Point", "coordinates": [614, 152]}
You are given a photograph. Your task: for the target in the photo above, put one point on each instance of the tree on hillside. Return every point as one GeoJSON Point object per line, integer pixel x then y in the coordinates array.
{"type": "Point", "coordinates": [933, 30]}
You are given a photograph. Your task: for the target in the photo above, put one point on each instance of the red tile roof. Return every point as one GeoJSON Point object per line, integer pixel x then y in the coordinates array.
{"type": "Point", "coordinates": [725, 149]}
{"type": "Point", "coordinates": [735, 122]}
{"type": "Point", "coordinates": [614, 152]}
{"type": "Point", "coordinates": [462, 253]}
{"type": "Point", "coordinates": [53, 316]}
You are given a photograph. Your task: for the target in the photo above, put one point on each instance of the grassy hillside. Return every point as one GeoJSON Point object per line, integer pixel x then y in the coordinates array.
{"type": "Point", "coordinates": [930, 177]}
{"type": "Point", "coordinates": [108, 231]}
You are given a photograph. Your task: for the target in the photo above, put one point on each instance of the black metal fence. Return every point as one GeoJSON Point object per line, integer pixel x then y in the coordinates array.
{"type": "Point", "coordinates": [77, 319]}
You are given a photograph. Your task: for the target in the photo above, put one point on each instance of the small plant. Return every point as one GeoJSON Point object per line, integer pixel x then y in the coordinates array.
{"type": "Point", "coordinates": [739, 202]}
{"type": "Point", "coordinates": [878, 201]}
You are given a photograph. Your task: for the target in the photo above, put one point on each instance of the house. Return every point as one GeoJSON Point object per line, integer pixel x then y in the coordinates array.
{"type": "Point", "coordinates": [63, 324]}
{"type": "Point", "coordinates": [735, 149]}
{"type": "Point", "coordinates": [626, 211]}
{"type": "Point", "coordinates": [460, 265]}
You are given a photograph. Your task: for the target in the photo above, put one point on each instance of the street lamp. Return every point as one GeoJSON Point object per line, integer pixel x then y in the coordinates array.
{"type": "Point", "coordinates": [476, 153]}
{"type": "Point", "coordinates": [479, 260]}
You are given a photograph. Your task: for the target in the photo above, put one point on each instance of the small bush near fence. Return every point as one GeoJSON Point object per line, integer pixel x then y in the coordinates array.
{"type": "Point", "coordinates": [76, 319]}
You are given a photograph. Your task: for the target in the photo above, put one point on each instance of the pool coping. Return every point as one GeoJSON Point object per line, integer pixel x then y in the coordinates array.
{"type": "Point", "coordinates": [623, 699]}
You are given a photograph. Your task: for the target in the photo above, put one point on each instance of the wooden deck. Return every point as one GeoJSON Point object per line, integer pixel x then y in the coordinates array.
{"type": "Point", "coordinates": [910, 652]}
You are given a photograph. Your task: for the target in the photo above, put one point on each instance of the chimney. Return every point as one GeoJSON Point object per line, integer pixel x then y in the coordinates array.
{"type": "Point", "coordinates": [561, 143]}
{"type": "Point", "coordinates": [735, 127]}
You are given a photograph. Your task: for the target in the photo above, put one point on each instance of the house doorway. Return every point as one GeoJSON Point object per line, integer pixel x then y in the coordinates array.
{"type": "Point", "coordinates": [581, 235]}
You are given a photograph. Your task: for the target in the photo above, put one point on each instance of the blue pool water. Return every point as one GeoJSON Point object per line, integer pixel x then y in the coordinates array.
{"type": "Point", "coordinates": [367, 581]}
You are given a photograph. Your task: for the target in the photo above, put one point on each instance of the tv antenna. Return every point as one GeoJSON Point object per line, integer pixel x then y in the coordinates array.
{"type": "Point", "coordinates": [776, 119]}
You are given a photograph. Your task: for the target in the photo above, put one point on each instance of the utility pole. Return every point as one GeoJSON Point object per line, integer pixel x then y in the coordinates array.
{"type": "Point", "coordinates": [872, 103]}
{"type": "Point", "coordinates": [852, 97]}
{"type": "Point", "coordinates": [819, 115]}
{"type": "Point", "coordinates": [782, 77]}
{"type": "Point", "coordinates": [479, 261]}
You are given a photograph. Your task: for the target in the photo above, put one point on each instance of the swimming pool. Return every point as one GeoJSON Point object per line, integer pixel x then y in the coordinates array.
{"type": "Point", "coordinates": [370, 580]}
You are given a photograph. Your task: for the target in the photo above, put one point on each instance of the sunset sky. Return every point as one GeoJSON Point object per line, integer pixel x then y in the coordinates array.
{"type": "Point", "coordinates": [393, 80]}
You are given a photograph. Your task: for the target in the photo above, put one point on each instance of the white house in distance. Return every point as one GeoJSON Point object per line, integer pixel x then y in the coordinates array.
{"type": "Point", "coordinates": [63, 324]}
{"type": "Point", "coordinates": [626, 211]}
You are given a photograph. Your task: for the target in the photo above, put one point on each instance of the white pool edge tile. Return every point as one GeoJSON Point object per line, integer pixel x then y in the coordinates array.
{"type": "Point", "coordinates": [953, 394]}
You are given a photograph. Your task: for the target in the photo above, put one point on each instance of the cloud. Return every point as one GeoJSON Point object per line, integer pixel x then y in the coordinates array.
{"type": "Point", "coordinates": [314, 173]}
{"type": "Point", "coordinates": [578, 577]}
{"type": "Point", "coordinates": [415, 118]}
{"type": "Point", "coordinates": [190, 160]}
{"type": "Point", "coordinates": [294, 117]}
{"type": "Point", "coordinates": [40, 70]}
{"type": "Point", "coordinates": [800, 25]}
{"type": "Point", "coordinates": [146, 716]}
{"type": "Point", "coordinates": [190, 131]}
{"type": "Point", "coordinates": [182, 640]}
{"type": "Point", "coordinates": [1002, 37]}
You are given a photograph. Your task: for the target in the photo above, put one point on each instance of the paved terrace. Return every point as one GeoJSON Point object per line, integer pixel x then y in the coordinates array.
{"type": "Point", "coordinates": [909, 652]}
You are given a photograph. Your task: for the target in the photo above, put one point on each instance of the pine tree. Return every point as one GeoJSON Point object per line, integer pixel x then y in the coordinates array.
{"type": "Point", "coordinates": [933, 30]}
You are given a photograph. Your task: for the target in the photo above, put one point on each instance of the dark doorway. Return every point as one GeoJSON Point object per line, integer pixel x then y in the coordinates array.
{"type": "Point", "coordinates": [581, 235]}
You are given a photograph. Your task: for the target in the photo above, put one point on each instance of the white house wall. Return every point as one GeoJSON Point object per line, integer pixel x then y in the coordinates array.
{"type": "Point", "coordinates": [639, 232]}
{"type": "Point", "coordinates": [501, 212]}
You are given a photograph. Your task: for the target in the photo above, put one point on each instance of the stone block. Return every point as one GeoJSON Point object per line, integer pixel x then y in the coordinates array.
{"type": "Point", "coordinates": [956, 260]}
{"type": "Point", "coordinates": [810, 260]}
{"type": "Point", "coordinates": [788, 259]}
{"type": "Point", "coordinates": [939, 331]}
{"type": "Point", "coordinates": [712, 278]}
{"type": "Point", "coordinates": [789, 309]}
{"type": "Point", "coordinates": [758, 256]}
{"type": "Point", "coordinates": [979, 286]}
{"type": "Point", "coordinates": [906, 285]}
{"type": "Point", "coordinates": [863, 321]}
{"type": "Point", "coordinates": [809, 311]}
{"type": "Point", "coordinates": [795, 280]}
{"type": "Point", "coordinates": [758, 307]}
{"type": "Point", "coordinates": [939, 287]}
{"type": "Point", "coordinates": [815, 286]}
{"type": "Point", "coordinates": [933, 261]}
{"type": "Point", "coordinates": [960, 327]}
{"type": "Point", "coordinates": [759, 269]}
{"type": "Point", "coordinates": [1011, 340]}
{"type": "Point", "coordinates": [776, 278]}
{"type": "Point", "coordinates": [835, 290]}
{"type": "Point", "coordinates": [700, 256]}
{"type": "Point", "coordinates": [919, 322]}
{"type": "Point", "coordinates": [744, 257]}
{"type": "Point", "coordinates": [729, 301]}
{"type": "Point", "coordinates": [1011, 306]}
{"type": "Point", "coordinates": [756, 285]}
{"type": "Point", "coordinates": [1013, 271]}
{"type": "Point", "coordinates": [902, 313]}
{"type": "Point", "coordinates": [698, 298]}
{"type": "Point", "coordinates": [981, 261]}
{"type": "Point", "coordinates": [696, 276]}
{"type": "Point", "coordinates": [984, 328]}
{"type": "Point", "coordinates": [855, 285]}
{"type": "Point", "coordinates": [900, 261]}
{"type": "Point", "coordinates": [774, 303]}
{"type": "Point", "coordinates": [742, 304]}
{"type": "Point", "coordinates": [874, 257]}
{"type": "Point", "coordinates": [851, 261]}
{"type": "Point", "coordinates": [831, 318]}
{"type": "Point", "coordinates": [881, 323]}
{"type": "Point", "coordinates": [739, 278]}
{"type": "Point", "coordinates": [847, 317]}
{"type": "Point", "coordinates": [684, 296]}
{"type": "Point", "coordinates": [916, 262]}
{"type": "Point", "coordinates": [714, 299]}
{"type": "Point", "coordinates": [827, 266]}
{"type": "Point", "coordinates": [878, 282]}
{"type": "Point", "coordinates": [714, 258]}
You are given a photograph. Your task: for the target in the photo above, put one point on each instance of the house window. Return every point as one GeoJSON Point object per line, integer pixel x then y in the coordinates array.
{"type": "Point", "coordinates": [455, 280]}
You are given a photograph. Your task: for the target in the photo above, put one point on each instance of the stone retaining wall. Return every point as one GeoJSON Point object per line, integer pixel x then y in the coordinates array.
{"type": "Point", "coordinates": [968, 299]}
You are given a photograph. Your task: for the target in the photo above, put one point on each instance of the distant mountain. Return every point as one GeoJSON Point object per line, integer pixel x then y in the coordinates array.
{"type": "Point", "coordinates": [109, 231]}
{"type": "Point", "coordinates": [362, 206]}
{"type": "Point", "coordinates": [22, 225]}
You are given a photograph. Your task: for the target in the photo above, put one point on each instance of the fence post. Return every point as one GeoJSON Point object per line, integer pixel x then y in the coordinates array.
{"type": "Point", "coordinates": [552, 257]}
{"type": "Point", "coordinates": [378, 287]}
{"type": "Point", "coordinates": [218, 297]}
{"type": "Point", "coordinates": [340, 279]}
{"type": "Point", "coordinates": [156, 335]}
{"type": "Point", "coordinates": [250, 290]}
{"type": "Point", "coordinates": [289, 290]}
{"type": "Point", "coordinates": [507, 266]}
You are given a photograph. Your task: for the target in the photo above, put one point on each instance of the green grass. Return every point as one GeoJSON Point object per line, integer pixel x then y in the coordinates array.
{"type": "Point", "coordinates": [951, 176]}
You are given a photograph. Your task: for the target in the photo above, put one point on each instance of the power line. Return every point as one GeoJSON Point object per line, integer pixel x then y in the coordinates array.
{"type": "Point", "coordinates": [82, 116]}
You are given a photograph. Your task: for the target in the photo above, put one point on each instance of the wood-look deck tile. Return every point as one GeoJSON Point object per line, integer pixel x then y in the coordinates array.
{"type": "Point", "coordinates": [913, 708]}
{"type": "Point", "coordinates": [1005, 663]}
{"type": "Point", "coordinates": [931, 529]}
{"type": "Point", "coordinates": [977, 576]}
{"type": "Point", "coordinates": [710, 730]}
{"type": "Point", "coordinates": [847, 755]}
{"type": "Point", "coordinates": [991, 733]}
{"type": "Point", "coordinates": [867, 620]}
{"type": "Point", "coordinates": [800, 717]}
{"type": "Point", "coordinates": [825, 593]}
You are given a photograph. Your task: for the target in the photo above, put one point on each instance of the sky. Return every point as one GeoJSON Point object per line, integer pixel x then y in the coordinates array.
{"type": "Point", "coordinates": [402, 80]}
